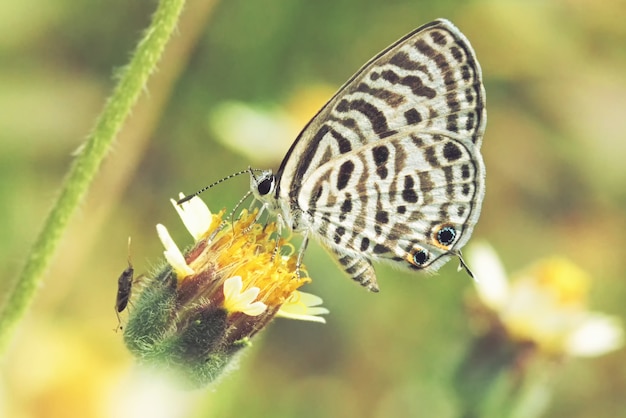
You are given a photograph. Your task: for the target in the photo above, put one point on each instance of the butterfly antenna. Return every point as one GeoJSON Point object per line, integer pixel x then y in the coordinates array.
{"type": "Point", "coordinates": [252, 170]}
{"type": "Point", "coordinates": [191, 196]}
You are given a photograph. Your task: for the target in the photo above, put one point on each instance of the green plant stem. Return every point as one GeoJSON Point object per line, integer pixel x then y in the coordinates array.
{"type": "Point", "coordinates": [131, 83]}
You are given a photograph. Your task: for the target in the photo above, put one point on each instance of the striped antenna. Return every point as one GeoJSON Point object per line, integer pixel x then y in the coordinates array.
{"type": "Point", "coordinates": [191, 196]}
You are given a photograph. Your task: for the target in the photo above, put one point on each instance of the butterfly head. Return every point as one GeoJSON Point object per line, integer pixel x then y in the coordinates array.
{"type": "Point", "coordinates": [263, 185]}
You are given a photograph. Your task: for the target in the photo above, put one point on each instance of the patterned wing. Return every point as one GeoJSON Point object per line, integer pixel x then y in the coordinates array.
{"type": "Point", "coordinates": [412, 200]}
{"type": "Point", "coordinates": [428, 81]}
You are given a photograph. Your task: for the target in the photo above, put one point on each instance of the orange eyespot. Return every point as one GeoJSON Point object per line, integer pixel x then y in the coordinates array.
{"type": "Point", "coordinates": [419, 257]}
{"type": "Point", "coordinates": [444, 236]}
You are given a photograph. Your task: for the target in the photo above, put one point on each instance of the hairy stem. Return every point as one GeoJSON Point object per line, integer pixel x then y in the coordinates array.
{"type": "Point", "coordinates": [131, 83]}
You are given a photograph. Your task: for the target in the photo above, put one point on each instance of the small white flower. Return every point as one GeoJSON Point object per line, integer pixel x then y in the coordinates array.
{"type": "Point", "coordinates": [173, 254]}
{"type": "Point", "coordinates": [303, 306]}
{"type": "Point", "coordinates": [195, 214]}
{"type": "Point", "coordinates": [237, 301]}
{"type": "Point", "coordinates": [545, 305]}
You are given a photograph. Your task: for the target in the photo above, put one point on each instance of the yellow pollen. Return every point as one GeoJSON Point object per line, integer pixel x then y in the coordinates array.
{"type": "Point", "coordinates": [254, 252]}
{"type": "Point", "coordinates": [566, 281]}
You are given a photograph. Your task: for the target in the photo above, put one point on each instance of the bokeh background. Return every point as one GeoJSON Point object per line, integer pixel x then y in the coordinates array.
{"type": "Point", "coordinates": [555, 151]}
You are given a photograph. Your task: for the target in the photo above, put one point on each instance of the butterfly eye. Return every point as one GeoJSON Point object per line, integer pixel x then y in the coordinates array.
{"type": "Point", "coordinates": [446, 235]}
{"type": "Point", "coordinates": [420, 257]}
{"type": "Point", "coordinates": [266, 185]}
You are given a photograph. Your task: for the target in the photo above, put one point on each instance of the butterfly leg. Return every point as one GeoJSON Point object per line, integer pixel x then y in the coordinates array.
{"type": "Point", "coordinates": [305, 242]}
{"type": "Point", "coordinates": [279, 229]}
{"type": "Point", "coordinates": [359, 268]}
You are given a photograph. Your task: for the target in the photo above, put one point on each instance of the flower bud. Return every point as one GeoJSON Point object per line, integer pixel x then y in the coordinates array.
{"type": "Point", "coordinates": [200, 309]}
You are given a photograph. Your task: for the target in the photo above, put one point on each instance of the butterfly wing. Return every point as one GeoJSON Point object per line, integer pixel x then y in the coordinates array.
{"type": "Point", "coordinates": [429, 80]}
{"type": "Point", "coordinates": [412, 200]}
{"type": "Point", "coordinates": [390, 167]}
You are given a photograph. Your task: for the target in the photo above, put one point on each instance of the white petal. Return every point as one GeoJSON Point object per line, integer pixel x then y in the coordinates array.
{"type": "Point", "coordinates": [195, 214]}
{"type": "Point", "coordinates": [308, 299]}
{"type": "Point", "coordinates": [172, 254]}
{"type": "Point", "coordinates": [597, 335]}
{"type": "Point", "coordinates": [255, 309]}
{"type": "Point", "coordinates": [232, 287]}
{"type": "Point", "coordinates": [237, 301]}
{"type": "Point", "coordinates": [311, 318]}
{"type": "Point", "coordinates": [302, 306]}
{"type": "Point", "coordinates": [491, 281]}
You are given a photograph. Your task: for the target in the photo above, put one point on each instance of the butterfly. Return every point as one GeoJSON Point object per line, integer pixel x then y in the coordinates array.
{"type": "Point", "coordinates": [390, 168]}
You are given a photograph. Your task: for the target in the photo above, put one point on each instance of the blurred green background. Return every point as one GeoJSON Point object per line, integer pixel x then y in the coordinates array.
{"type": "Point", "coordinates": [555, 146]}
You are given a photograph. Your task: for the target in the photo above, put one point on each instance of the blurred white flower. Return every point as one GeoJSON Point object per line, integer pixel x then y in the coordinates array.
{"type": "Point", "coordinates": [263, 134]}
{"type": "Point", "coordinates": [545, 305]}
{"type": "Point", "coordinates": [260, 134]}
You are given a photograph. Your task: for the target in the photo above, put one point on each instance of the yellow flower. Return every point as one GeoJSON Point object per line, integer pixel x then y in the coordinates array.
{"type": "Point", "coordinates": [207, 303]}
{"type": "Point", "coordinates": [545, 305]}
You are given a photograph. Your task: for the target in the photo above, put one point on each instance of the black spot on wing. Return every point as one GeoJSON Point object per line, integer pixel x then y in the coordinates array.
{"type": "Point", "coordinates": [451, 151]}
{"type": "Point", "coordinates": [438, 38]}
{"type": "Point", "coordinates": [408, 192]}
{"type": "Point", "coordinates": [339, 233]}
{"type": "Point", "coordinates": [457, 54]}
{"type": "Point", "coordinates": [453, 102]}
{"type": "Point", "coordinates": [382, 216]}
{"type": "Point", "coordinates": [465, 171]}
{"type": "Point", "coordinates": [381, 249]}
{"type": "Point", "coordinates": [345, 172]}
{"type": "Point", "coordinates": [412, 117]}
{"type": "Point", "coordinates": [381, 156]}
{"type": "Point", "coordinates": [466, 73]}
{"type": "Point", "coordinates": [452, 123]}
{"type": "Point", "coordinates": [346, 206]}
